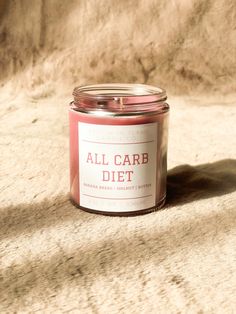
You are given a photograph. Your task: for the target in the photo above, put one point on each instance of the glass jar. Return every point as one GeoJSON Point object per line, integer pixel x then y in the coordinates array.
{"type": "Point", "coordinates": [118, 148]}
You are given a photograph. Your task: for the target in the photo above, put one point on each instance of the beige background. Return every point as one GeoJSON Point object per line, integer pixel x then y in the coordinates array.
{"type": "Point", "coordinates": [55, 258]}
{"type": "Point", "coordinates": [181, 45]}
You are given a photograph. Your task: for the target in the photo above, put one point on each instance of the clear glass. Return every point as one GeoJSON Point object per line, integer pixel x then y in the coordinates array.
{"type": "Point", "coordinates": [109, 105]}
{"type": "Point", "coordinates": [120, 98]}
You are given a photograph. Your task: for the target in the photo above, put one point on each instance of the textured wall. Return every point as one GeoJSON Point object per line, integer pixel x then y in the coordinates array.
{"type": "Point", "coordinates": [187, 45]}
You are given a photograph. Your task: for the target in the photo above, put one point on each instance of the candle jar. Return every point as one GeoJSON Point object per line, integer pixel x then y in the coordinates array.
{"type": "Point", "coordinates": [118, 148]}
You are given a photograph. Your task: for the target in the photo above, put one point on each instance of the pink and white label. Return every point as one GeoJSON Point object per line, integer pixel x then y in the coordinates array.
{"type": "Point", "coordinates": [117, 166]}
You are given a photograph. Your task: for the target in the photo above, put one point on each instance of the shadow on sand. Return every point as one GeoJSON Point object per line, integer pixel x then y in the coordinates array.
{"type": "Point", "coordinates": [187, 183]}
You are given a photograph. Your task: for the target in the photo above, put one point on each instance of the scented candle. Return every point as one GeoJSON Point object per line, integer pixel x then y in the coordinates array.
{"type": "Point", "coordinates": [118, 148]}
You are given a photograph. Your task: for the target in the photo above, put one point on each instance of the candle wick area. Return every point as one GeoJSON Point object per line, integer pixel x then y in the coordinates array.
{"type": "Point", "coordinates": [121, 103]}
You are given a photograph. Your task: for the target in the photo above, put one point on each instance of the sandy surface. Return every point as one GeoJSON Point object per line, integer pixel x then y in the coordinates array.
{"type": "Point", "coordinates": [56, 258]}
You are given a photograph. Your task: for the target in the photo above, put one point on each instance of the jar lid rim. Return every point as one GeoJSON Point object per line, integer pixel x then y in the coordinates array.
{"type": "Point", "coordinates": [114, 91]}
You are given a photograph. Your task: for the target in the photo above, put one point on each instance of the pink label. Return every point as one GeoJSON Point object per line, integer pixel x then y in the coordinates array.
{"type": "Point", "coordinates": [117, 166]}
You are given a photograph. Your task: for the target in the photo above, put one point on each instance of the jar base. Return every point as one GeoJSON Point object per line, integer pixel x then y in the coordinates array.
{"type": "Point", "coordinates": [124, 214]}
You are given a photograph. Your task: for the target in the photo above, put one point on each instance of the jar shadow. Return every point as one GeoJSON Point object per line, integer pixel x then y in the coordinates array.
{"type": "Point", "coordinates": [186, 183]}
